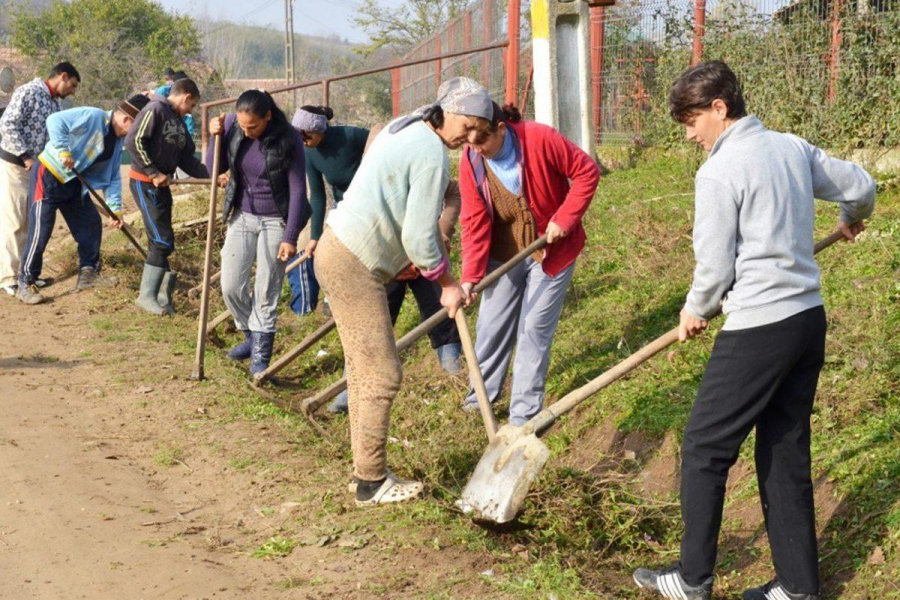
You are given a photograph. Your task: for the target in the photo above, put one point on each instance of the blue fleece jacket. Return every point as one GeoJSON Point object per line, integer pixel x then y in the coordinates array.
{"type": "Point", "coordinates": [79, 132]}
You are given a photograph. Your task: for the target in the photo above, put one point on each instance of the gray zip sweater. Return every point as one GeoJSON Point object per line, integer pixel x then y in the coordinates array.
{"type": "Point", "coordinates": [753, 223]}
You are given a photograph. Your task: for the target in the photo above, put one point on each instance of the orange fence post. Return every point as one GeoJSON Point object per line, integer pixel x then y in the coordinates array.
{"type": "Point", "coordinates": [512, 51]}
{"type": "Point", "coordinates": [204, 133]}
{"type": "Point", "coordinates": [486, 38]}
{"type": "Point", "coordinates": [597, 33]}
{"type": "Point", "coordinates": [395, 91]}
{"type": "Point", "coordinates": [835, 55]}
{"type": "Point", "coordinates": [439, 65]}
{"type": "Point", "coordinates": [699, 30]}
{"type": "Point", "coordinates": [467, 39]}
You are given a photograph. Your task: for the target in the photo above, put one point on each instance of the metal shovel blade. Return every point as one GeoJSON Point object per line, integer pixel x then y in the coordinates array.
{"type": "Point", "coordinates": [503, 476]}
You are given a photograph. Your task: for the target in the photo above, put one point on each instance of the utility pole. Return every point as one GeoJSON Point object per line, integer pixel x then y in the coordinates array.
{"type": "Point", "coordinates": [290, 74]}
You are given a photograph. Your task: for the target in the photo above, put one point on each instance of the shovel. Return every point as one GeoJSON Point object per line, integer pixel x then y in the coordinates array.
{"type": "Point", "coordinates": [312, 404]}
{"type": "Point", "coordinates": [500, 482]}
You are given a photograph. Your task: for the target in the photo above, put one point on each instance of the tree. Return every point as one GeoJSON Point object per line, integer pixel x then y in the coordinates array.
{"type": "Point", "coordinates": [402, 27]}
{"type": "Point", "coordinates": [116, 45]}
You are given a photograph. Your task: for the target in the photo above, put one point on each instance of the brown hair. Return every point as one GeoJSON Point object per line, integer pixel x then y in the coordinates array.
{"type": "Point", "coordinates": [508, 113]}
{"type": "Point", "coordinates": [698, 87]}
{"type": "Point", "coordinates": [185, 86]}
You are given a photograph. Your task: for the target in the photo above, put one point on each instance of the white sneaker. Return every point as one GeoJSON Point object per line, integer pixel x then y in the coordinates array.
{"type": "Point", "coordinates": [10, 289]}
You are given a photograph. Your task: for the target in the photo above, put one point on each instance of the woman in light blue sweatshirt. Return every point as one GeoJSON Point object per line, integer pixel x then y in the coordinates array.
{"type": "Point", "coordinates": [387, 220]}
{"type": "Point", "coordinates": [753, 243]}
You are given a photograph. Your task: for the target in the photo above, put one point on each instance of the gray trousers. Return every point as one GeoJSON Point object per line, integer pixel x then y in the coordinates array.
{"type": "Point", "coordinates": [252, 239]}
{"type": "Point", "coordinates": [521, 310]}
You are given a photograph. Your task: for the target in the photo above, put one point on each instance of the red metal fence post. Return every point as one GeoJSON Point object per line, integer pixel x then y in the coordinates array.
{"type": "Point", "coordinates": [395, 91]}
{"type": "Point", "coordinates": [439, 65]}
{"type": "Point", "coordinates": [486, 39]}
{"type": "Point", "coordinates": [597, 15]}
{"type": "Point", "coordinates": [204, 133]}
{"type": "Point", "coordinates": [835, 55]}
{"type": "Point", "coordinates": [512, 51]}
{"type": "Point", "coordinates": [467, 39]}
{"type": "Point", "coordinates": [326, 92]}
{"type": "Point", "coordinates": [699, 30]}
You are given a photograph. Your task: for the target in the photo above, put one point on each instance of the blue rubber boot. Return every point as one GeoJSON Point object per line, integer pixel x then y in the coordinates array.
{"type": "Point", "coordinates": [243, 350]}
{"type": "Point", "coordinates": [261, 351]}
{"type": "Point", "coordinates": [449, 355]}
{"type": "Point", "coordinates": [339, 404]}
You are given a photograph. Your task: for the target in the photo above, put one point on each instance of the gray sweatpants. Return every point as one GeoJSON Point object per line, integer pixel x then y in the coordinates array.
{"type": "Point", "coordinates": [252, 239]}
{"type": "Point", "coordinates": [521, 310]}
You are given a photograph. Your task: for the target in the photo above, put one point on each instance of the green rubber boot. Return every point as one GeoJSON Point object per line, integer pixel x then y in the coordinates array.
{"type": "Point", "coordinates": [150, 284]}
{"type": "Point", "coordinates": [166, 290]}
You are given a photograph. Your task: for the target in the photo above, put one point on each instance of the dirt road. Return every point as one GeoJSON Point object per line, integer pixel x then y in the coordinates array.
{"type": "Point", "coordinates": [75, 508]}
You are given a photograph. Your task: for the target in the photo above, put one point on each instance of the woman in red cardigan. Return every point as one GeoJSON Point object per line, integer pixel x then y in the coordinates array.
{"type": "Point", "coordinates": [515, 185]}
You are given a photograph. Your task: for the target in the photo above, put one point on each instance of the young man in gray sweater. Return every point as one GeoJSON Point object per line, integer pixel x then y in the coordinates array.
{"type": "Point", "coordinates": [753, 244]}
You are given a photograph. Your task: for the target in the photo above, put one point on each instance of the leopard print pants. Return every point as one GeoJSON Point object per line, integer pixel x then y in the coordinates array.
{"type": "Point", "coordinates": [359, 305]}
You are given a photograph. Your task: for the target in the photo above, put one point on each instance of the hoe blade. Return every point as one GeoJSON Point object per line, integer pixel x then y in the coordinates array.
{"type": "Point", "coordinates": [497, 488]}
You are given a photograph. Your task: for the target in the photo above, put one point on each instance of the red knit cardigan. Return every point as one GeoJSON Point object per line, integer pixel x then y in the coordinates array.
{"type": "Point", "coordinates": [548, 162]}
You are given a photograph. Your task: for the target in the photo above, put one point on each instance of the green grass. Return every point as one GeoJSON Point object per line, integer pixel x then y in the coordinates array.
{"type": "Point", "coordinates": [276, 546]}
{"type": "Point", "coordinates": [606, 501]}
{"type": "Point", "coordinates": [168, 456]}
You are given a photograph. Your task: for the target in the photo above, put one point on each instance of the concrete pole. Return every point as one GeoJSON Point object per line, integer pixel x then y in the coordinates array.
{"type": "Point", "coordinates": [562, 69]}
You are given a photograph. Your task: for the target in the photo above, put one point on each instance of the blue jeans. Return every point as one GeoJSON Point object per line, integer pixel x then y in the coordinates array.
{"type": "Point", "coordinates": [47, 196]}
{"type": "Point", "coordinates": [520, 311]}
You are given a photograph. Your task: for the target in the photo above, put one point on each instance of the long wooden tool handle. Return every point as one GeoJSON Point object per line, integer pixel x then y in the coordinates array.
{"type": "Point", "coordinates": [103, 206]}
{"type": "Point", "coordinates": [314, 402]}
{"type": "Point", "coordinates": [218, 274]}
{"type": "Point", "coordinates": [207, 263]}
{"type": "Point", "coordinates": [220, 318]}
{"type": "Point", "coordinates": [437, 318]}
{"type": "Point", "coordinates": [289, 356]}
{"type": "Point", "coordinates": [223, 316]}
{"type": "Point", "coordinates": [546, 417]}
{"type": "Point", "coordinates": [484, 403]}
{"type": "Point", "coordinates": [192, 181]}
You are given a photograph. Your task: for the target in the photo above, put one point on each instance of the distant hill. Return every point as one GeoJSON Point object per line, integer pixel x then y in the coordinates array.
{"type": "Point", "coordinates": [249, 52]}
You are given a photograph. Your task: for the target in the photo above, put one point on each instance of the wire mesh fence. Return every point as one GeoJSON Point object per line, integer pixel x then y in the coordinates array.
{"type": "Point", "coordinates": [485, 22]}
{"type": "Point", "coordinates": [828, 70]}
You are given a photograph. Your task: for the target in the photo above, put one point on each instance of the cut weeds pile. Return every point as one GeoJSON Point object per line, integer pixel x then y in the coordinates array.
{"type": "Point", "coordinates": [607, 499]}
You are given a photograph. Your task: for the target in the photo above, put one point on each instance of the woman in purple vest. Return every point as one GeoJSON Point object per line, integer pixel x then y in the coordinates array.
{"type": "Point", "coordinates": [265, 208]}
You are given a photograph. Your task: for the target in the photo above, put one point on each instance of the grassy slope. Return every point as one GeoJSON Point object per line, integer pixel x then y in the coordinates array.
{"type": "Point", "coordinates": [607, 500]}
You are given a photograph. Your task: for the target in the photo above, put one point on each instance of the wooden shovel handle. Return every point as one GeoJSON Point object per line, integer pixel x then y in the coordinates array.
{"type": "Point", "coordinates": [546, 417]}
{"type": "Point", "coordinates": [200, 357]}
{"type": "Point", "coordinates": [313, 403]}
{"type": "Point", "coordinates": [484, 403]}
{"type": "Point", "coordinates": [103, 206]}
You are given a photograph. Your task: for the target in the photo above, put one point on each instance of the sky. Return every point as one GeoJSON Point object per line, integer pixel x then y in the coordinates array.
{"type": "Point", "coordinates": [314, 17]}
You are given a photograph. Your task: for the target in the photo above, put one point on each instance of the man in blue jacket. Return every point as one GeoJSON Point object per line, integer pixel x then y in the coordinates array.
{"type": "Point", "coordinates": [88, 141]}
